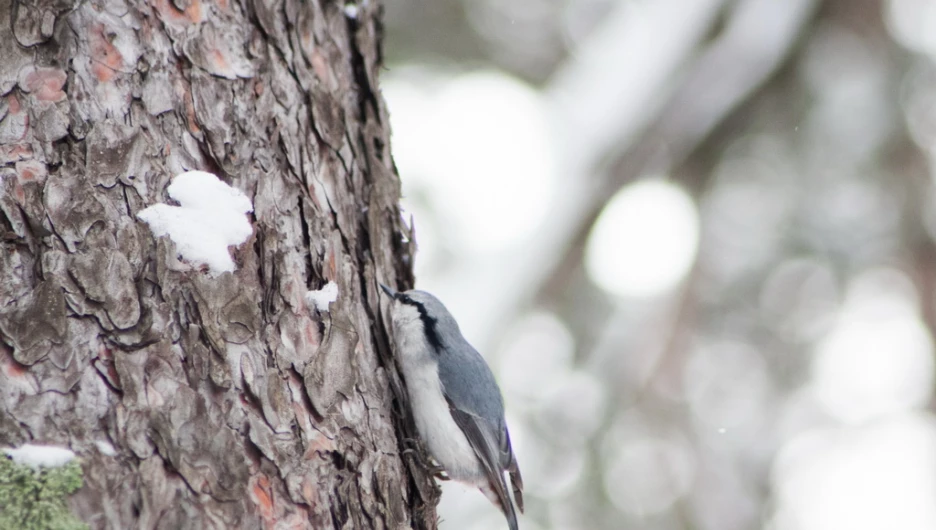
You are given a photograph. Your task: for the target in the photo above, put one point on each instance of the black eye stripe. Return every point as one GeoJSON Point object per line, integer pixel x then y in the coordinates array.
{"type": "Point", "coordinates": [429, 323]}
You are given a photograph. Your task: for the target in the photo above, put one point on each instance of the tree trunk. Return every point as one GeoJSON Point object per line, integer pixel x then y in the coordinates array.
{"type": "Point", "coordinates": [227, 401]}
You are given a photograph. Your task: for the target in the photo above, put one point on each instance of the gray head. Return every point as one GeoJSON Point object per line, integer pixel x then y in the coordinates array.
{"type": "Point", "coordinates": [417, 311]}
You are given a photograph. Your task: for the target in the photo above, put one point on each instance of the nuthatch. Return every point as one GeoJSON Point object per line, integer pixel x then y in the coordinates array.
{"type": "Point", "coordinates": [456, 403]}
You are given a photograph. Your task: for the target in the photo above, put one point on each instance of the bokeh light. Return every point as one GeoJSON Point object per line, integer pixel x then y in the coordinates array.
{"type": "Point", "coordinates": [744, 343]}
{"type": "Point", "coordinates": [878, 359]}
{"type": "Point", "coordinates": [666, 469]}
{"type": "Point", "coordinates": [645, 240]}
{"type": "Point", "coordinates": [542, 341]}
{"type": "Point", "coordinates": [881, 475]}
{"type": "Point", "coordinates": [913, 24]}
{"type": "Point", "coordinates": [471, 146]}
{"type": "Point", "coordinates": [728, 389]}
{"type": "Point", "coordinates": [801, 299]}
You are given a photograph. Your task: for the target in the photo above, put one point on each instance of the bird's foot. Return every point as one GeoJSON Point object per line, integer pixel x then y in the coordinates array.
{"type": "Point", "coordinates": [420, 460]}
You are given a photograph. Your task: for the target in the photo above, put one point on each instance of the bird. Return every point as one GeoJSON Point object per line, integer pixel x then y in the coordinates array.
{"type": "Point", "coordinates": [456, 403]}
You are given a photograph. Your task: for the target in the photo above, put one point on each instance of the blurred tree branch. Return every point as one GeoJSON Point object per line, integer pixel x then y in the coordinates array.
{"type": "Point", "coordinates": [721, 77]}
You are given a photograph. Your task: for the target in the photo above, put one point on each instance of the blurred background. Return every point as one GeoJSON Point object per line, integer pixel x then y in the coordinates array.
{"type": "Point", "coordinates": [695, 241]}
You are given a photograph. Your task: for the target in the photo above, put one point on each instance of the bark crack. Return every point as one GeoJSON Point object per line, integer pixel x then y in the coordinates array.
{"type": "Point", "coordinates": [365, 92]}
{"type": "Point", "coordinates": [306, 243]}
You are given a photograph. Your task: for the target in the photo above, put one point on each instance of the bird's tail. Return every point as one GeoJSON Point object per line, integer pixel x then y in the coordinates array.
{"type": "Point", "coordinates": [497, 494]}
{"type": "Point", "coordinates": [511, 515]}
{"type": "Point", "coordinates": [513, 469]}
{"type": "Point", "coordinates": [516, 481]}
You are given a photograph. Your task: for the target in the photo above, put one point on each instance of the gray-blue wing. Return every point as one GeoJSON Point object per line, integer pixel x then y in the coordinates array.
{"type": "Point", "coordinates": [479, 433]}
{"type": "Point", "coordinates": [467, 380]}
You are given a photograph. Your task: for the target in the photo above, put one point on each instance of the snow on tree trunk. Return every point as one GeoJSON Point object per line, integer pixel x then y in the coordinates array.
{"type": "Point", "coordinates": [196, 400]}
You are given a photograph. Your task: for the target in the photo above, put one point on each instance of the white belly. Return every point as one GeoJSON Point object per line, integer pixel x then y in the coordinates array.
{"type": "Point", "coordinates": [444, 439]}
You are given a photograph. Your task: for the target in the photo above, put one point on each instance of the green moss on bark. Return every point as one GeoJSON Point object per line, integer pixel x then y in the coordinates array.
{"type": "Point", "coordinates": [34, 499]}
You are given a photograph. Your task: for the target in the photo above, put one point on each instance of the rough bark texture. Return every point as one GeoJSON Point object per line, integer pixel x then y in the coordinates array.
{"type": "Point", "coordinates": [230, 403]}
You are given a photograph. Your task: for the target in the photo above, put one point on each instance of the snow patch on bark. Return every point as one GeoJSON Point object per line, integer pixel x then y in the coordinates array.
{"type": "Point", "coordinates": [324, 296]}
{"type": "Point", "coordinates": [36, 456]}
{"type": "Point", "coordinates": [105, 447]}
{"type": "Point", "coordinates": [210, 218]}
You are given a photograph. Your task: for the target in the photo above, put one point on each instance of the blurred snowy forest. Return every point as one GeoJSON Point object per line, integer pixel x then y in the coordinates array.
{"type": "Point", "coordinates": [695, 241]}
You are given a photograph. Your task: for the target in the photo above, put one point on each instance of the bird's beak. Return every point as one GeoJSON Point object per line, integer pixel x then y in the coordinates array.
{"type": "Point", "coordinates": [390, 292]}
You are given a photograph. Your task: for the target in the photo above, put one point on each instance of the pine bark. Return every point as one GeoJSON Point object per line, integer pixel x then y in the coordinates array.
{"type": "Point", "coordinates": [228, 401]}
